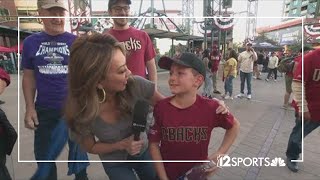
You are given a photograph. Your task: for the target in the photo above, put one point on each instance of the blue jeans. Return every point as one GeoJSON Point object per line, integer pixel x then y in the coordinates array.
{"type": "Point", "coordinates": [50, 137]}
{"type": "Point", "coordinates": [294, 144]}
{"type": "Point", "coordinates": [245, 77]}
{"type": "Point", "coordinates": [121, 171]}
{"type": "Point", "coordinates": [207, 89]}
{"type": "Point", "coordinates": [228, 85]}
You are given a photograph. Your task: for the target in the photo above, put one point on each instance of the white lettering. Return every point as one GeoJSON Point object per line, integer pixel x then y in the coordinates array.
{"type": "Point", "coordinates": [316, 75]}
{"type": "Point", "coordinates": [53, 69]}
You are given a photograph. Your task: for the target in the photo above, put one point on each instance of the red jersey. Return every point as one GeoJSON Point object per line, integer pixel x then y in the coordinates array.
{"type": "Point", "coordinates": [4, 76]}
{"type": "Point", "coordinates": [185, 133]}
{"type": "Point", "coordinates": [215, 59]}
{"type": "Point", "coordinates": [139, 48]}
{"type": "Point", "coordinates": [311, 74]}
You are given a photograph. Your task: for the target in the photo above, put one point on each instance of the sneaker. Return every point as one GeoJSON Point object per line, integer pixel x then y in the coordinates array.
{"type": "Point", "coordinates": [249, 96]}
{"type": "Point", "coordinates": [285, 106]}
{"type": "Point", "coordinates": [2, 102]}
{"type": "Point", "coordinates": [275, 80]}
{"type": "Point", "coordinates": [293, 166]}
{"type": "Point", "coordinates": [228, 97]}
{"type": "Point", "coordinates": [254, 77]}
{"type": "Point", "coordinates": [241, 95]}
{"type": "Point", "coordinates": [267, 80]}
{"type": "Point", "coordinates": [259, 78]}
{"type": "Point", "coordinates": [217, 92]}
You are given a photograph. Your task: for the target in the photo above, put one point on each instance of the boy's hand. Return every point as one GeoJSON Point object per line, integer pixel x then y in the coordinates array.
{"type": "Point", "coordinates": [214, 158]}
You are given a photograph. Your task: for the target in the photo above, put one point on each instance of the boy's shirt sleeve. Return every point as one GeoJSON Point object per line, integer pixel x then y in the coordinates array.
{"type": "Point", "coordinates": [155, 131]}
{"type": "Point", "coordinates": [225, 121]}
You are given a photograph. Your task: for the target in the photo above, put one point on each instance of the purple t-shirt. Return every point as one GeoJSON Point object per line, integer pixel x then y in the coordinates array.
{"type": "Point", "coordinates": [48, 57]}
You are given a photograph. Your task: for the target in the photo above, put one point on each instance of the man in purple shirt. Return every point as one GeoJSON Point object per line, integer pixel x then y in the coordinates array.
{"type": "Point", "coordinates": [45, 66]}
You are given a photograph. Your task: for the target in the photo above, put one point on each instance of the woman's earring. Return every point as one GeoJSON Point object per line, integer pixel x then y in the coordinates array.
{"type": "Point", "coordinates": [104, 95]}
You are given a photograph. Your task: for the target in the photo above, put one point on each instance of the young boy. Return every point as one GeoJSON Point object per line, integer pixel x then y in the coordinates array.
{"type": "Point", "coordinates": [184, 121]}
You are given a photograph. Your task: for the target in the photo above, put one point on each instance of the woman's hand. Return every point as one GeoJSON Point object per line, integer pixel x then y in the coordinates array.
{"type": "Point", "coordinates": [223, 108]}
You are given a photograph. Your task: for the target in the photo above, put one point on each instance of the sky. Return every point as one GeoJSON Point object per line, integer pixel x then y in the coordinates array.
{"type": "Point", "coordinates": [266, 8]}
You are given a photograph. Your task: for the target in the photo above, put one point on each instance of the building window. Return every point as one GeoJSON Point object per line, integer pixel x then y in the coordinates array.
{"type": "Point", "coordinates": [294, 11]}
{"type": "Point", "coordinates": [295, 2]}
{"type": "Point", "coordinates": [4, 14]}
{"type": "Point", "coordinates": [304, 8]}
{"type": "Point", "coordinates": [26, 13]}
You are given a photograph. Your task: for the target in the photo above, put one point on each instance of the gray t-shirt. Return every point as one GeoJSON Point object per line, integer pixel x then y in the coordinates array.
{"type": "Point", "coordinates": [111, 133]}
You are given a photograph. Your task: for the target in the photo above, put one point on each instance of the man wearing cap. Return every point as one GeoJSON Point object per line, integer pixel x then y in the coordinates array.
{"type": "Point", "coordinates": [141, 54]}
{"type": "Point", "coordinates": [45, 66]}
{"type": "Point", "coordinates": [215, 58]}
{"type": "Point", "coordinates": [184, 121]}
{"type": "Point", "coordinates": [245, 62]}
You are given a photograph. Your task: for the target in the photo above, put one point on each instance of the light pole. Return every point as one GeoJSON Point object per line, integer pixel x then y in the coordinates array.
{"type": "Point", "coordinates": [317, 12]}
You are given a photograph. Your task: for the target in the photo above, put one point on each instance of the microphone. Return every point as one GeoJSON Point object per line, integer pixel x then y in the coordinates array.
{"type": "Point", "coordinates": [140, 112]}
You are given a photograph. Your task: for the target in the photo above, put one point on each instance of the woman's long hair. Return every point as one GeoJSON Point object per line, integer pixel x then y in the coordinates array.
{"type": "Point", "coordinates": [90, 59]}
{"type": "Point", "coordinates": [233, 54]}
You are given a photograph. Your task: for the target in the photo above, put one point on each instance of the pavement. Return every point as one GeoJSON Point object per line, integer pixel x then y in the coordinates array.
{"type": "Point", "coordinates": [264, 133]}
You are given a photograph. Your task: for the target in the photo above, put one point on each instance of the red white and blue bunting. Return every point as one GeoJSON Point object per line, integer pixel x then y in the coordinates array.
{"type": "Point", "coordinates": [224, 23]}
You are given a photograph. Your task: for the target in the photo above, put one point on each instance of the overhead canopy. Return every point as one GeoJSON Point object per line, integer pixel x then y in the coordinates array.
{"type": "Point", "coordinates": [5, 50]}
{"type": "Point", "coordinates": [16, 49]}
{"type": "Point", "coordinates": [172, 35]}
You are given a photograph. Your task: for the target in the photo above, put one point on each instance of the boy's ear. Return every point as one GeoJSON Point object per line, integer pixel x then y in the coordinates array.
{"type": "Point", "coordinates": [199, 80]}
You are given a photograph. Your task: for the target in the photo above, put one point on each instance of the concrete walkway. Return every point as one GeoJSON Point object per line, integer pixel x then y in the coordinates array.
{"type": "Point", "coordinates": [264, 132]}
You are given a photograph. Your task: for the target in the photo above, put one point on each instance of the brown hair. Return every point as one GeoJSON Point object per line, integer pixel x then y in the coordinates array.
{"type": "Point", "coordinates": [90, 59]}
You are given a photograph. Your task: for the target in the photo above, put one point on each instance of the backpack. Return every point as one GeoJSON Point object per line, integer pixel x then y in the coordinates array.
{"type": "Point", "coordinates": [286, 65]}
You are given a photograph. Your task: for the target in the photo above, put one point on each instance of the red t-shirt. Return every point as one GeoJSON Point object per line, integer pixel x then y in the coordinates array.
{"type": "Point", "coordinates": [139, 48]}
{"type": "Point", "coordinates": [215, 59]}
{"type": "Point", "coordinates": [5, 76]}
{"type": "Point", "coordinates": [185, 133]}
{"type": "Point", "coordinates": [311, 74]}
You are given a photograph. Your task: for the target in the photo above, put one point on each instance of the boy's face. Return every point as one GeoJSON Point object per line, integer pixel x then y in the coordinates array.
{"type": "Point", "coordinates": [182, 80]}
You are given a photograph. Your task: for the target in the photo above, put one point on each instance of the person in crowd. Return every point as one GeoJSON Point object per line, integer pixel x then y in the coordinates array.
{"type": "Point", "coordinates": [288, 76]}
{"type": "Point", "coordinates": [259, 67]}
{"type": "Point", "coordinates": [8, 134]}
{"type": "Point", "coordinates": [309, 105]}
{"type": "Point", "coordinates": [99, 109]}
{"type": "Point", "coordinates": [245, 63]}
{"type": "Point", "coordinates": [272, 66]}
{"type": "Point", "coordinates": [230, 72]}
{"type": "Point", "coordinates": [184, 121]}
{"type": "Point", "coordinates": [207, 88]}
{"type": "Point", "coordinates": [215, 58]}
{"type": "Point", "coordinates": [45, 75]}
{"type": "Point", "coordinates": [141, 54]}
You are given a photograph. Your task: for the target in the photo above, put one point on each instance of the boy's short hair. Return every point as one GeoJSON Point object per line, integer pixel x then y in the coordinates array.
{"type": "Point", "coordinates": [185, 59]}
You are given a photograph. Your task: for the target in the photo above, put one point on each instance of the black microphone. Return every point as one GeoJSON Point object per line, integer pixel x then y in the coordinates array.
{"type": "Point", "coordinates": [140, 112]}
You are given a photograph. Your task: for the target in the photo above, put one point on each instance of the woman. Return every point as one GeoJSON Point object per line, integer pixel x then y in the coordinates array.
{"type": "Point", "coordinates": [100, 102]}
{"type": "Point", "coordinates": [229, 73]}
{"type": "Point", "coordinates": [207, 88]}
{"type": "Point", "coordinates": [99, 106]}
